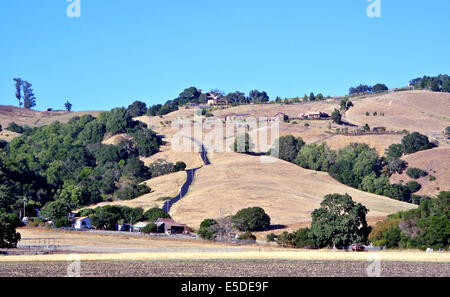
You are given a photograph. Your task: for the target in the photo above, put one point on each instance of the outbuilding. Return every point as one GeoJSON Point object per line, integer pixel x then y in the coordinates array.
{"type": "Point", "coordinates": [82, 223]}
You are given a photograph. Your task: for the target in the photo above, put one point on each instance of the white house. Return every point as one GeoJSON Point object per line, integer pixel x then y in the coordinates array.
{"type": "Point", "coordinates": [137, 227]}
{"type": "Point", "coordinates": [82, 223]}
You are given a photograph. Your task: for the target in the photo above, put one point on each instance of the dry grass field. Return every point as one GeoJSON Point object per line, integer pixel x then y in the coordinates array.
{"type": "Point", "coordinates": [287, 192]}
{"type": "Point", "coordinates": [436, 162]}
{"type": "Point", "coordinates": [379, 142]}
{"type": "Point", "coordinates": [422, 111]}
{"type": "Point", "coordinates": [34, 118]}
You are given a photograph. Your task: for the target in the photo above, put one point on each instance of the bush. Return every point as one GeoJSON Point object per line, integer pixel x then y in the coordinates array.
{"type": "Point", "coordinates": [251, 219]}
{"type": "Point", "coordinates": [13, 127]}
{"type": "Point", "coordinates": [161, 167]}
{"type": "Point", "coordinates": [247, 236]}
{"type": "Point", "coordinates": [3, 144]}
{"type": "Point", "coordinates": [61, 222]}
{"type": "Point", "coordinates": [303, 238]}
{"type": "Point", "coordinates": [287, 147]}
{"type": "Point", "coordinates": [271, 237]}
{"type": "Point", "coordinates": [413, 186]}
{"type": "Point", "coordinates": [416, 173]}
{"type": "Point", "coordinates": [205, 231]}
{"type": "Point", "coordinates": [180, 166]}
{"type": "Point", "coordinates": [150, 228]}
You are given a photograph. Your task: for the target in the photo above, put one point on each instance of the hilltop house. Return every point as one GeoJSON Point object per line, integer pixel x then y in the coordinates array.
{"type": "Point", "coordinates": [314, 115]}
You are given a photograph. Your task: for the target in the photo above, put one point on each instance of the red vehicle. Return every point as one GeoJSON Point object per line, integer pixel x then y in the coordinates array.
{"type": "Point", "coordinates": [358, 248]}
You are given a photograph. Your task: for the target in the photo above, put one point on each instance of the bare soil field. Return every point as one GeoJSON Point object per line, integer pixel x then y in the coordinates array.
{"type": "Point", "coordinates": [422, 111]}
{"type": "Point", "coordinates": [436, 162]}
{"type": "Point", "coordinates": [237, 268]}
{"type": "Point", "coordinates": [287, 192]}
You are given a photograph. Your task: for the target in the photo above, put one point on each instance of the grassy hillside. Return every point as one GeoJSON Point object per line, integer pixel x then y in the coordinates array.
{"type": "Point", "coordinates": [287, 192]}
{"type": "Point", "coordinates": [436, 162]}
{"type": "Point", "coordinates": [422, 111]}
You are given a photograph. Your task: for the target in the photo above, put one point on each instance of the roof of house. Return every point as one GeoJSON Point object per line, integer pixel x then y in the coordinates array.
{"type": "Point", "coordinates": [81, 218]}
{"type": "Point", "coordinates": [170, 222]}
{"type": "Point", "coordinates": [140, 224]}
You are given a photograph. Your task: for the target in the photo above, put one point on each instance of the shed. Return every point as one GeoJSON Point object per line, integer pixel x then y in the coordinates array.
{"type": "Point", "coordinates": [169, 226]}
{"type": "Point", "coordinates": [82, 223]}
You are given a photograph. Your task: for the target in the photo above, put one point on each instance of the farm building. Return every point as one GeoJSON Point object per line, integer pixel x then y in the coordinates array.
{"type": "Point", "coordinates": [280, 116]}
{"type": "Point", "coordinates": [315, 115]}
{"type": "Point", "coordinates": [82, 223]}
{"type": "Point", "coordinates": [169, 226]}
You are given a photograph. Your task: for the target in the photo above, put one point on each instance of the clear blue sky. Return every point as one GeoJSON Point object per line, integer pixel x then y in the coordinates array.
{"type": "Point", "coordinates": [150, 50]}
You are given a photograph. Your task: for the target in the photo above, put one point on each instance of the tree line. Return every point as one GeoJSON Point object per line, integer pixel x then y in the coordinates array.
{"type": "Point", "coordinates": [67, 164]}
{"type": "Point", "coordinates": [357, 165]}
{"type": "Point", "coordinates": [440, 83]}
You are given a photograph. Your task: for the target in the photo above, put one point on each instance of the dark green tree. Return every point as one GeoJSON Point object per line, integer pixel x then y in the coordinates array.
{"type": "Point", "coordinates": [8, 224]}
{"type": "Point", "coordinates": [137, 109]}
{"type": "Point", "coordinates": [68, 106]}
{"type": "Point", "coordinates": [29, 100]}
{"type": "Point", "coordinates": [251, 219]}
{"type": "Point", "coordinates": [155, 213]}
{"type": "Point", "coordinates": [336, 117]}
{"type": "Point", "coordinates": [339, 222]}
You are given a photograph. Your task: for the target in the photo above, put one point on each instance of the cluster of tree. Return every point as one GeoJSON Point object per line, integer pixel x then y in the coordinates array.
{"type": "Point", "coordinates": [162, 167]}
{"type": "Point", "coordinates": [133, 191]}
{"type": "Point", "coordinates": [195, 96]}
{"type": "Point", "coordinates": [68, 164]}
{"type": "Point", "coordinates": [425, 227]}
{"type": "Point", "coordinates": [338, 222]}
{"type": "Point", "coordinates": [243, 144]}
{"type": "Point", "coordinates": [13, 127]}
{"type": "Point", "coordinates": [361, 89]}
{"type": "Point", "coordinates": [440, 83]}
{"type": "Point", "coordinates": [246, 220]}
{"type": "Point", "coordinates": [356, 165]}
{"type": "Point", "coordinates": [25, 92]}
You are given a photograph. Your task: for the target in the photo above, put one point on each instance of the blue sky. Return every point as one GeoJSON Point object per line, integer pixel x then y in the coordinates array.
{"type": "Point", "coordinates": [150, 50]}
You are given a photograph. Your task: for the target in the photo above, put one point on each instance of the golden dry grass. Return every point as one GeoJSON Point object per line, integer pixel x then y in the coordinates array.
{"type": "Point", "coordinates": [436, 162]}
{"type": "Point", "coordinates": [8, 135]}
{"type": "Point", "coordinates": [422, 111]}
{"type": "Point", "coordinates": [287, 192]}
{"type": "Point", "coordinates": [118, 240]}
{"type": "Point", "coordinates": [322, 255]}
{"type": "Point", "coordinates": [379, 142]}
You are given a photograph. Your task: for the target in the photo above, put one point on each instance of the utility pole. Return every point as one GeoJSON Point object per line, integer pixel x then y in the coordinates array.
{"type": "Point", "coordinates": [24, 200]}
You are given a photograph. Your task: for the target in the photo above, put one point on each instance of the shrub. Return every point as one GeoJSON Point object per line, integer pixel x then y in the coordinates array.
{"type": "Point", "coordinates": [416, 173]}
{"type": "Point", "coordinates": [432, 178]}
{"type": "Point", "coordinates": [61, 222]}
{"type": "Point", "coordinates": [248, 236]}
{"type": "Point", "coordinates": [413, 186]}
{"type": "Point", "coordinates": [251, 219]}
{"type": "Point", "coordinates": [205, 231]}
{"type": "Point", "coordinates": [150, 228]}
{"type": "Point", "coordinates": [303, 238]}
{"type": "Point", "coordinates": [180, 166]}
{"type": "Point", "coordinates": [13, 127]}
{"type": "Point", "coordinates": [3, 143]}
{"type": "Point", "coordinates": [271, 237]}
